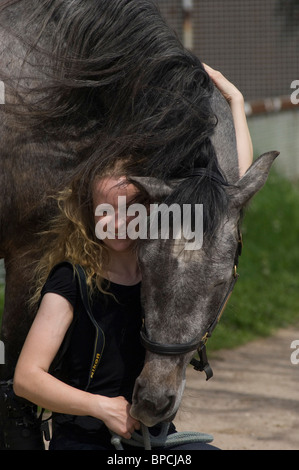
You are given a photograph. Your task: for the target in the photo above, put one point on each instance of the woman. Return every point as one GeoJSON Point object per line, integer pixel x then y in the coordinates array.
{"type": "Point", "coordinates": [84, 416]}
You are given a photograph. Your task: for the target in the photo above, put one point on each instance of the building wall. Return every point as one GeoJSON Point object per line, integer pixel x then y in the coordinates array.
{"type": "Point", "coordinates": [278, 131]}
{"type": "Point", "coordinates": [248, 40]}
{"type": "Point", "coordinates": [255, 45]}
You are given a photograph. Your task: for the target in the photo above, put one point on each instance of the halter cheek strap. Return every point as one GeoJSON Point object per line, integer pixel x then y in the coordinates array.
{"type": "Point", "coordinates": [202, 363]}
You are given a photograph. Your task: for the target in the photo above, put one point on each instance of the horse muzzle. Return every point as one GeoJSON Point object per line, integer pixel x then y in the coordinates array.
{"type": "Point", "coordinates": [155, 401]}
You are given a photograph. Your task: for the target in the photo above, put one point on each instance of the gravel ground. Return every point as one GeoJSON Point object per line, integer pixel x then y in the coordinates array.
{"type": "Point", "coordinates": [252, 402]}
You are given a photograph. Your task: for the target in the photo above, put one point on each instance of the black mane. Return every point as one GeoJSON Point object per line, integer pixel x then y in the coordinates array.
{"type": "Point", "coordinates": [120, 84]}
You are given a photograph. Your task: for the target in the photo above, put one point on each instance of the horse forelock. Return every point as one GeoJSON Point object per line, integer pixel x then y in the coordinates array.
{"type": "Point", "coordinates": [213, 197]}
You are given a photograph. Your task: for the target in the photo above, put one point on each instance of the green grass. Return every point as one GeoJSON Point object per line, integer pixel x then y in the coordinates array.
{"type": "Point", "coordinates": [266, 296]}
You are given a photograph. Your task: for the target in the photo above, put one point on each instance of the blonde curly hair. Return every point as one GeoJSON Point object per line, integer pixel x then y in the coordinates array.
{"type": "Point", "coordinates": [71, 236]}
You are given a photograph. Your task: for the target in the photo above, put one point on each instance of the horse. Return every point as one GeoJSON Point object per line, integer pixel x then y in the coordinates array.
{"type": "Point", "coordinates": [86, 85]}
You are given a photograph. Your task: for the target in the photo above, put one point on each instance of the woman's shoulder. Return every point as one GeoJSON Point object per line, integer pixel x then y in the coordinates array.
{"type": "Point", "coordinates": [63, 272]}
{"type": "Point", "coordinates": [62, 280]}
{"type": "Point", "coordinates": [64, 267]}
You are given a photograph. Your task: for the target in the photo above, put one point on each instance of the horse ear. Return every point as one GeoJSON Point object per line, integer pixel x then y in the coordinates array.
{"type": "Point", "coordinates": [252, 181]}
{"type": "Point", "coordinates": [154, 187]}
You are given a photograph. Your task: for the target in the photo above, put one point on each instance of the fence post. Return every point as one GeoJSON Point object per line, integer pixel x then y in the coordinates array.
{"type": "Point", "coordinates": [187, 6]}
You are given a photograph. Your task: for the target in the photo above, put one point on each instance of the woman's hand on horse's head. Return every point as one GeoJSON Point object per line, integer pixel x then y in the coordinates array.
{"type": "Point", "coordinates": [228, 90]}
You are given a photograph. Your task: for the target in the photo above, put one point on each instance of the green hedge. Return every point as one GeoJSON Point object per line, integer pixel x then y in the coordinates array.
{"type": "Point", "coordinates": [266, 296]}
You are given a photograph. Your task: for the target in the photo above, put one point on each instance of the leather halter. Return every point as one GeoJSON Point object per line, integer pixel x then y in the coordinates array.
{"type": "Point", "coordinates": [200, 345]}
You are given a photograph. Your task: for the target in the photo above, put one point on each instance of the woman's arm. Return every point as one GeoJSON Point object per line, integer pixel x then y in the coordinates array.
{"type": "Point", "coordinates": [33, 382]}
{"type": "Point", "coordinates": [236, 101]}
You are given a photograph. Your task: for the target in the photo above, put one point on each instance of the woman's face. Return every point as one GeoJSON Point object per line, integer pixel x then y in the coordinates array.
{"type": "Point", "coordinates": [110, 202]}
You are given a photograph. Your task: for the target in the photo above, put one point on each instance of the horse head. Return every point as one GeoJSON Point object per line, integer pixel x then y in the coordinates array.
{"type": "Point", "coordinates": [183, 292]}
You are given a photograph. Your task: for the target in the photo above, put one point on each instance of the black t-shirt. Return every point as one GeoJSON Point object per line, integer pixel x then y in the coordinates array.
{"type": "Point", "coordinates": [119, 316]}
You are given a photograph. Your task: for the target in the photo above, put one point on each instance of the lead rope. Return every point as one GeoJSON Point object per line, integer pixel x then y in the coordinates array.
{"type": "Point", "coordinates": [147, 441]}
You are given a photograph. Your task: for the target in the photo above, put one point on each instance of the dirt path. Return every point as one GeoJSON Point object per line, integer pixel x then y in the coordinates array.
{"type": "Point", "coordinates": [252, 402]}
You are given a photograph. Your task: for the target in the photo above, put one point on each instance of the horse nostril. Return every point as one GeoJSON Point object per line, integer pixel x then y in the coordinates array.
{"type": "Point", "coordinates": [155, 403]}
{"type": "Point", "coordinates": [158, 405]}
{"type": "Point", "coordinates": [171, 402]}
{"type": "Point", "coordinates": [141, 382]}
{"type": "Point", "coordinates": [139, 387]}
